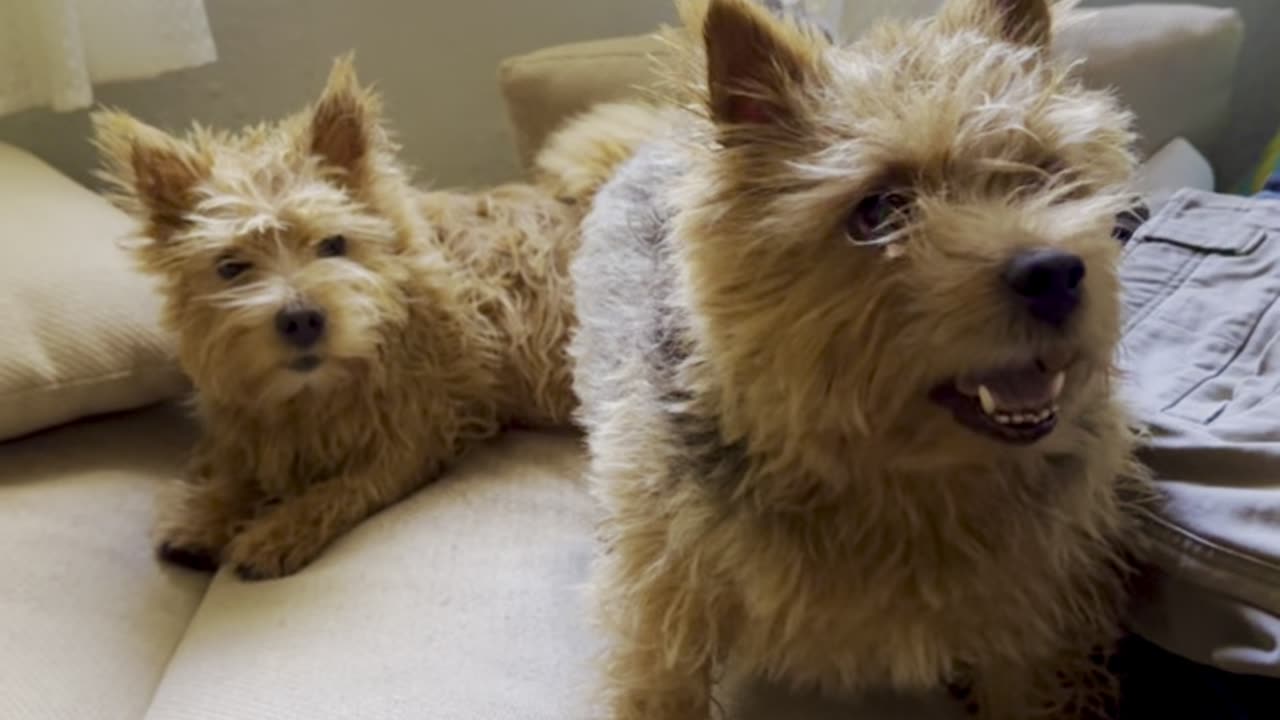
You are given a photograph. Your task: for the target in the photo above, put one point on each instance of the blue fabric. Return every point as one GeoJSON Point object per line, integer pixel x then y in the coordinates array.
{"type": "Point", "coordinates": [1158, 684]}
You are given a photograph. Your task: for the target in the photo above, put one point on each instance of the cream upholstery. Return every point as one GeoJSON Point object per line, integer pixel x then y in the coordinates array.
{"type": "Point", "coordinates": [88, 620]}
{"type": "Point", "coordinates": [462, 603]}
{"type": "Point", "coordinates": [78, 332]}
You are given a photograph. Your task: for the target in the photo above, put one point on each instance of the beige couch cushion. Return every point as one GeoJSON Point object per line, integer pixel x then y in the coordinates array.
{"type": "Point", "coordinates": [460, 603]}
{"type": "Point", "coordinates": [78, 330]}
{"type": "Point", "coordinates": [546, 86]}
{"type": "Point", "coordinates": [88, 618]}
{"type": "Point", "coordinates": [1173, 64]}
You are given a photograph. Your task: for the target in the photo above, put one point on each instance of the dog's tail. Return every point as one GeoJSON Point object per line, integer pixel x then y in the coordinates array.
{"type": "Point", "coordinates": [584, 152]}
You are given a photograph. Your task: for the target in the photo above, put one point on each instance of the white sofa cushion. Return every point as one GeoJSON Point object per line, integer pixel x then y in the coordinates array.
{"type": "Point", "coordinates": [78, 325]}
{"type": "Point", "coordinates": [88, 618]}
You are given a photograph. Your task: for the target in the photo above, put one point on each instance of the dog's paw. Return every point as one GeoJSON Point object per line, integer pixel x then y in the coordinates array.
{"type": "Point", "coordinates": [269, 548]}
{"type": "Point", "coordinates": [188, 556]}
{"type": "Point", "coordinates": [961, 691]}
{"type": "Point", "coordinates": [189, 544]}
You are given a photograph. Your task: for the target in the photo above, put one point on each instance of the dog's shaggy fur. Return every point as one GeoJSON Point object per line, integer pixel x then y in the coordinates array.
{"type": "Point", "coordinates": [444, 315]}
{"type": "Point", "coordinates": [772, 310]}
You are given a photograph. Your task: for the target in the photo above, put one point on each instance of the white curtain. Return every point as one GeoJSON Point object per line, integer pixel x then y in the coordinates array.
{"type": "Point", "coordinates": [52, 52]}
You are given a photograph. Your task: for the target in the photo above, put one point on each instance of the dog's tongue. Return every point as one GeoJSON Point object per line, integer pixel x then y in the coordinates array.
{"type": "Point", "coordinates": [1015, 387]}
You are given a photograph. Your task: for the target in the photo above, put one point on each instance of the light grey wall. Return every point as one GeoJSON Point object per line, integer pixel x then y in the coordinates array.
{"type": "Point", "coordinates": [435, 61]}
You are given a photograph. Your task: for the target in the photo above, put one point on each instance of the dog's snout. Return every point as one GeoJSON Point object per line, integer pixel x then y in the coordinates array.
{"type": "Point", "coordinates": [1049, 282]}
{"type": "Point", "coordinates": [300, 327]}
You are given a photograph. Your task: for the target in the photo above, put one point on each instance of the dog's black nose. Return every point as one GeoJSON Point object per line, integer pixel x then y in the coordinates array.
{"type": "Point", "coordinates": [300, 327]}
{"type": "Point", "coordinates": [1048, 281]}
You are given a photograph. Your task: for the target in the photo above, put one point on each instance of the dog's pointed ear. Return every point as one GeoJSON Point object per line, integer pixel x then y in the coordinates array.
{"type": "Point", "coordinates": [1022, 22]}
{"type": "Point", "coordinates": [344, 125]}
{"type": "Point", "coordinates": [756, 63]}
{"type": "Point", "coordinates": [150, 174]}
{"type": "Point", "coordinates": [1026, 22]}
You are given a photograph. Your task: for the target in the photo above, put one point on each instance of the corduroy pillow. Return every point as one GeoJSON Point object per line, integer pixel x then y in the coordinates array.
{"type": "Point", "coordinates": [79, 332]}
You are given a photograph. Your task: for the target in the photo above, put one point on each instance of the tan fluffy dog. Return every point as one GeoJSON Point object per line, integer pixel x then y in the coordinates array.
{"type": "Point", "coordinates": [347, 334]}
{"type": "Point", "coordinates": [844, 356]}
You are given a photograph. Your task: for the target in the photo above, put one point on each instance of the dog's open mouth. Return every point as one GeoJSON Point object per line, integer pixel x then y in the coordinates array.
{"type": "Point", "coordinates": [1016, 404]}
{"type": "Point", "coordinates": [305, 363]}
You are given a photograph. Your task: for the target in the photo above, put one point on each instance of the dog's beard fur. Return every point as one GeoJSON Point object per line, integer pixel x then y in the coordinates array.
{"type": "Point", "coordinates": [760, 383]}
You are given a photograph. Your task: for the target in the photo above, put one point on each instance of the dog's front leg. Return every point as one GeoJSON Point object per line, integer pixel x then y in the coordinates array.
{"type": "Point", "coordinates": [287, 538]}
{"type": "Point", "coordinates": [197, 516]}
{"type": "Point", "coordinates": [658, 665]}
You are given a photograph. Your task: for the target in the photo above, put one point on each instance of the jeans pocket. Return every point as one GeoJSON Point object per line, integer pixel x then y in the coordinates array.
{"type": "Point", "coordinates": [1201, 280]}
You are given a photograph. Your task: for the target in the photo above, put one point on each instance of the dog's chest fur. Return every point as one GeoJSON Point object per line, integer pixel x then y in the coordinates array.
{"type": "Point", "coordinates": [902, 578]}
{"type": "Point", "coordinates": [899, 586]}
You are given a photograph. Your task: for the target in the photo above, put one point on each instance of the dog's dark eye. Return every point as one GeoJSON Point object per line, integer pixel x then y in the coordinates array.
{"type": "Point", "coordinates": [1128, 221]}
{"type": "Point", "coordinates": [332, 246]}
{"type": "Point", "coordinates": [876, 216]}
{"type": "Point", "coordinates": [229, 269]}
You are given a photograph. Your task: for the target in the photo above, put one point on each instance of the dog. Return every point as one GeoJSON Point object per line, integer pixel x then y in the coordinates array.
{"type": "Point", "coordinates": [347, 334]}
{"type": "Point", "coordinates": [844, 354]}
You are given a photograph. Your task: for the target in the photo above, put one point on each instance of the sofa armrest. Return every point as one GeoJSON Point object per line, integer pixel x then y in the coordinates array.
{"type": "Point", "coordinates": [1173, 65]}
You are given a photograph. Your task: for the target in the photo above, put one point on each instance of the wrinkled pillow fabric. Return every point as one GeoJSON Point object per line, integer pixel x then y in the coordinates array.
{"type": "Point", "coordinates": [79, 331]}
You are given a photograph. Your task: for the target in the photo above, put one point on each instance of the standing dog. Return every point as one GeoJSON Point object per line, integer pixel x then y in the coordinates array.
{"type": "Point", "coordinates": [844, 357]}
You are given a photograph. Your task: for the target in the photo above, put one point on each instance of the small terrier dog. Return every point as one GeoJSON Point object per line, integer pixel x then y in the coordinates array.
{"type": "Point", "coordinates": [844, 357]}
{"type": "Point", "coordinates": [347, 334]}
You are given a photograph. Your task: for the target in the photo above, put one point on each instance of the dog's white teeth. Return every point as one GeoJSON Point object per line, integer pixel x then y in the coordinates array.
{"type": "Point", "coordinates": [987, 399]}
{"type": "Point", "coordinates": [1043, 415]}
{"type": "Point", "coordinates": [1059, 381]}
{"type": "Point", "coordinates": [1004, 419]}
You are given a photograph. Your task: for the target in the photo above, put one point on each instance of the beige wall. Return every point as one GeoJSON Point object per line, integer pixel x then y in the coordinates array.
{"type": "Point", "coordinates": [436, 63]}
{"type": "Point", "coordinates": [435, 60]}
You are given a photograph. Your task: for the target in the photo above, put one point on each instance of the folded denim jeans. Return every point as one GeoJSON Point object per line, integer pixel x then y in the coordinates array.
{"type": "Point", "coordinates": [1200, 369]}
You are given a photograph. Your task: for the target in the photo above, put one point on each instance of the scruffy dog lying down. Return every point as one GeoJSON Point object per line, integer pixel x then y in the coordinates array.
{"type": "Point", "coordinates": [844, 354]}
{"type": "Point", "coordinates": [347, 334]}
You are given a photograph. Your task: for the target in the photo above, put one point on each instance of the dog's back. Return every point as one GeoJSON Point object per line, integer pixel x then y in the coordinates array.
{"type": "Point", "coordinates": [623, 280]}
